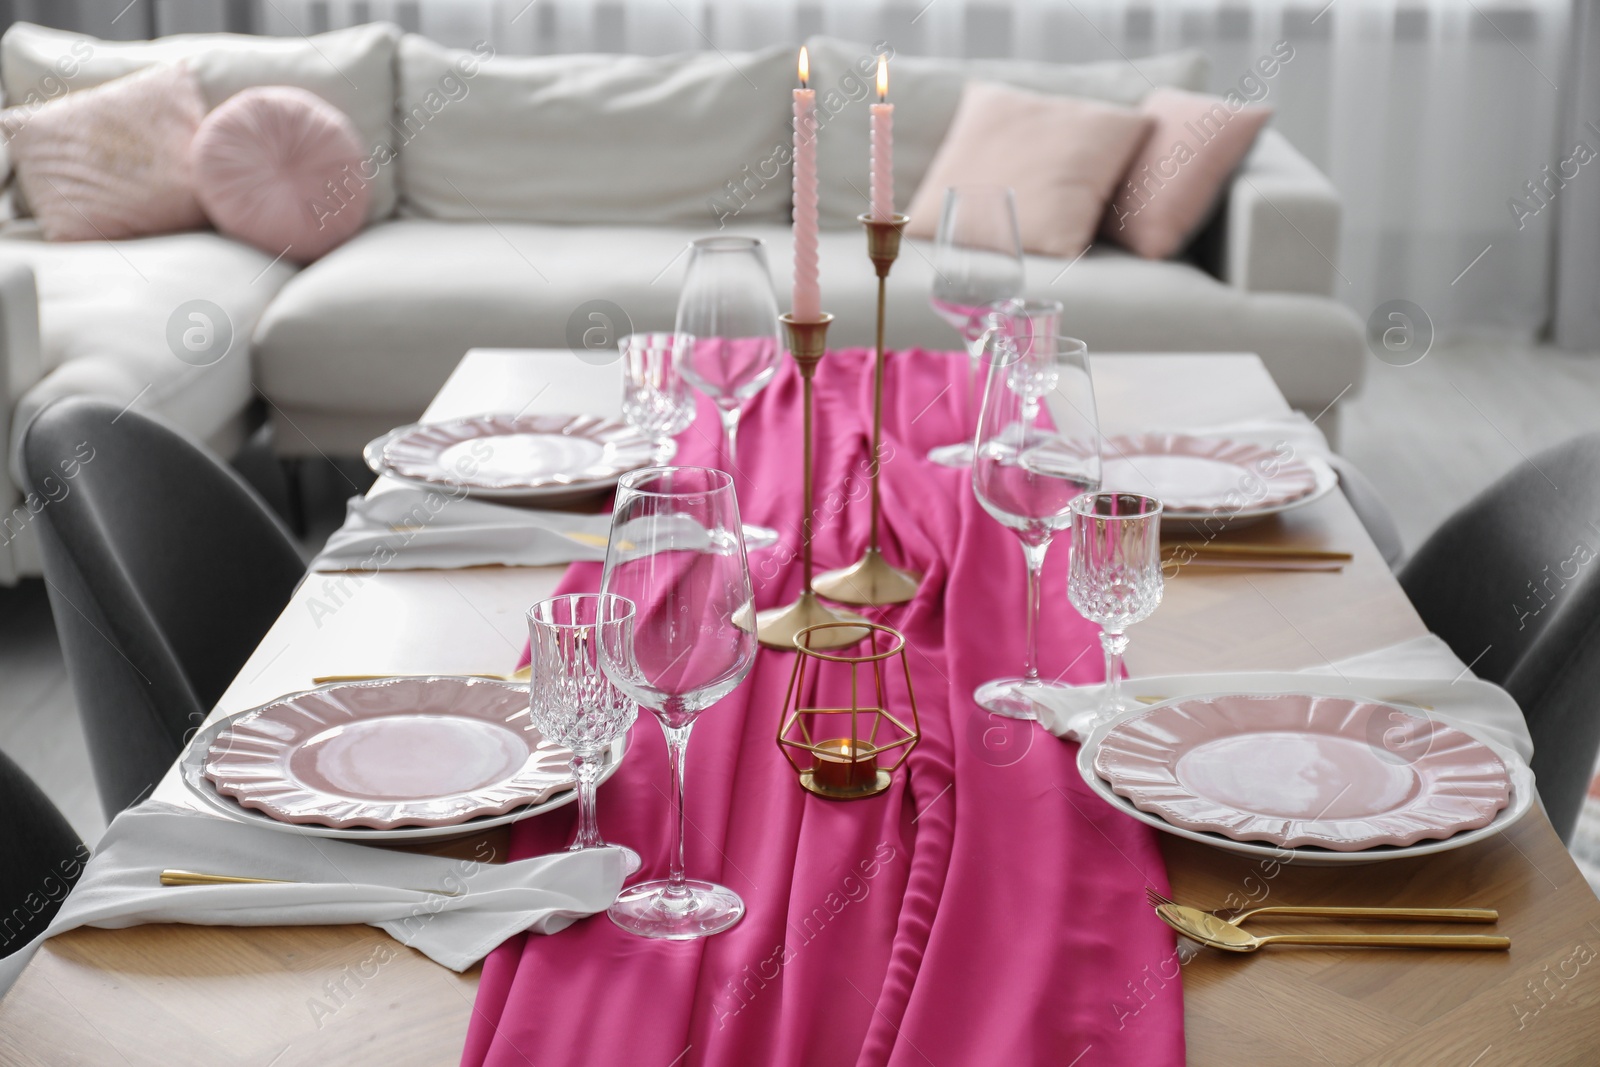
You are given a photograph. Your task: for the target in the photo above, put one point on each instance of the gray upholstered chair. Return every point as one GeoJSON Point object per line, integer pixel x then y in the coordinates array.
{"type": "Point", "coordinates": [1511, 581]}
{"type": "Point", "coordinates": [40, 858]}
{"type": "Point", "coordinates": [164, 569]}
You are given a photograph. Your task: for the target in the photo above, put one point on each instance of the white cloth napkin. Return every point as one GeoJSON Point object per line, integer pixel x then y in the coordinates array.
{"type": "Point", "coordinates": [335, 883]}
{"type": "Point", "coordinates": [1302, 434]}
{"type": "Point", "coordinates": [405, 529]}
{"type": "Point", "coordinates": [1422, 671]}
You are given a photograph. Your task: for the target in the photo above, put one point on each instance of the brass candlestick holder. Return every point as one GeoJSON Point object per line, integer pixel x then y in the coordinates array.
{"type": "Point", "coordinates": [778, 627]}
{"type": "Point", "coordinates": [872, 579]}
{"type": "Point", "coordinates": [848, 752]}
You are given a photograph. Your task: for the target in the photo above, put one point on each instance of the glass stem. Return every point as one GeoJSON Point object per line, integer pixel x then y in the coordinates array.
{"type": "Point", "coordinates": [730, 430]}
{"type": "Point", "coordinates": [587, 771]}
{"type": "Point", "coordinates": [1115, 642]}
{"type": "Point", "coordinates": [1034, 554]}
{"type": "Point", "coordinates": [677, 749]}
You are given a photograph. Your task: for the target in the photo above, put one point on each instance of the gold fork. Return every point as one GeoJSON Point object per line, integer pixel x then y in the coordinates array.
{"type": "Point", "coordinates": [1235, 916]}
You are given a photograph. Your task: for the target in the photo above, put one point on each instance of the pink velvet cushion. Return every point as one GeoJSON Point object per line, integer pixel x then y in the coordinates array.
{"type": "Point", "coordinates": [112, 161]}
{"type": "Point", "coordinates": [1060, 154]}
{"type": "Point", "coordinates": [280, 168]}
{"type": "Point", "coordinates": [1174, 181]}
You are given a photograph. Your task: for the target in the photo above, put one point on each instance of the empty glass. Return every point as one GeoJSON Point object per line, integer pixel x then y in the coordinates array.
{"type": "Point", "coordinates": [571, 701]}
{"type": "Point", "coordinates": [677, 553]}
{"type": "Point", "coordinates": [1038, 449]}
{"type": "Point", "coordinates": [656, 397]}
{"type": "Point", "coordinates": [727, 305]}
{"type": "Point", "coordinates": [977, 261]}
{"type": "Point", "coordinates": [1114, 577]}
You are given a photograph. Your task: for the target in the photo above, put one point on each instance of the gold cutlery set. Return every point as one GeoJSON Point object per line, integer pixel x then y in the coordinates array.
{"type": "Point", "coordinates": [1222, 929]}
{"type": "Point", "coordinates": [1252, 556]}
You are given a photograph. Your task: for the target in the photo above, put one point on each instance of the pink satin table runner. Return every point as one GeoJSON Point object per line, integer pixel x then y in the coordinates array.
{"type": "Point", "coordinates": [987, 910]}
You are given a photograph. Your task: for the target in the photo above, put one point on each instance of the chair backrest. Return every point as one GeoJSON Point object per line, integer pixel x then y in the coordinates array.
{"type": "Point", "coordinates": [1511, 581]}
{"type": "Point", "coordinates": [42, 858]}
{"type": "Point", "coordinates": [164, 569]}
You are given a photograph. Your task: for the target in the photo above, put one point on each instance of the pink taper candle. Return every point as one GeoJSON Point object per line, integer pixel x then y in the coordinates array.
{"type": "Point", "coordinates": [806, 304]}
{"type": "Point", "coordinates": [883, 149]}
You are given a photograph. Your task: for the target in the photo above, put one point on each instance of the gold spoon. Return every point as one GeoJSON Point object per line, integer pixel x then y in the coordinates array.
{"type": "Point", "coordinates": [1210, 930]}
{"type": "Point", "coordinates": [1235, 916]}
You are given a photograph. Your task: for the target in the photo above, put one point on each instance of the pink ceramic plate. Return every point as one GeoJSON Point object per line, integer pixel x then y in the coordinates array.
{"type": "Point", "coordinates": [1297, 769]}
{"type": "Point", "coordinates": [515, 451]}
{"type": "Point", "coordinates": [395, 752]}
{"type": "Point", "coordinates": [1202, 474]}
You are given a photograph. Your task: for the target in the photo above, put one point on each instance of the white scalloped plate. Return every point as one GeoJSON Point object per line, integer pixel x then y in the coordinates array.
{"type": "Point", "coordinates": [430, 752]}
{"type": "Point", "coordinates": [1204, 477]}
{"type": "Point", "coordinates": [1298, 769]}
{"type": "Point", "coordinates": [512, 457]}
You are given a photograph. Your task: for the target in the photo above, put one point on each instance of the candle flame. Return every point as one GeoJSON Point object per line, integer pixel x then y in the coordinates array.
{"type": "Point", "coordinates": [805, 68]}
{"type": "Point", "coordinates": [883, 79]}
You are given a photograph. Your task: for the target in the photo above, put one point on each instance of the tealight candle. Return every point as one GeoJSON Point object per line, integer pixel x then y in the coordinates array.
{"type": "Point", "coordinates": [844, 766]}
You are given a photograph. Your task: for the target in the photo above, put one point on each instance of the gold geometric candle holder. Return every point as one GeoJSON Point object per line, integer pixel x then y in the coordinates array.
{"type": "Point", "coordinates": [849, 751]}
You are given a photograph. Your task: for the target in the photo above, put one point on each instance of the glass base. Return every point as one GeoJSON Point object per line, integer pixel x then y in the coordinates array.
{"type": "Point", "coordinates": [958, 455]}
{"type": "Point", "coordinates": [700, 909]}
{"type": "Point", "coordinates": [1002, 697]}
{"type": "Point", "coordinates": [759, 537]}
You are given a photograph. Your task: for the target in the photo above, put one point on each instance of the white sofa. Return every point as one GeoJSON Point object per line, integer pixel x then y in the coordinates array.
{"type": "Point", "coordinates": [521, 189]}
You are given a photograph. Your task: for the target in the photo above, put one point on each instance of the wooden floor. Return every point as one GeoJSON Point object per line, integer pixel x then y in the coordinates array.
{"type": "Point", "coordinates": [1429, 436]}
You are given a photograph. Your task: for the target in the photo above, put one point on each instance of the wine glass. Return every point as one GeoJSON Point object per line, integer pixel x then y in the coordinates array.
{"type": "Point", "coordinates": [977, 261]}
{"type": "Point", "coordinates": [1038, 448]}
{"type": "Point", "coordinates": [1114, 577]}
{"type": "Point", "coordinates": [570, 699]}
{"type": "Point", "coordinates": [656, 398]}
{"type": "Point", "coordinates": [676, 551]}
{"type": "Point", "coordinates": [727, 305]}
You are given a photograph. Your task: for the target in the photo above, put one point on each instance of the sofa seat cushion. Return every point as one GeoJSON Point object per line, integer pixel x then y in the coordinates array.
{"type": "Point", "coordinates": [110, 313]}
{"type": "Point", "coordinates": [374, 328]}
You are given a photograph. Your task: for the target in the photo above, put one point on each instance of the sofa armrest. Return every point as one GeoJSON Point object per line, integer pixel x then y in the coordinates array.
{"type": "Point", "coordinates": [21, 364]}
{"type": "Point", "coordinates": [1281, 233]}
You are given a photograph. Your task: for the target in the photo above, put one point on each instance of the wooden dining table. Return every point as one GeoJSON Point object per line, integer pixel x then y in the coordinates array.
{"type": "Point", "coordinates": [317, 995]}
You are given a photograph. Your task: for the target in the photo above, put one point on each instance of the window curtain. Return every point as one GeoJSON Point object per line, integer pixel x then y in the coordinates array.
{"type": "Point", "coordinates": [1448, 126]}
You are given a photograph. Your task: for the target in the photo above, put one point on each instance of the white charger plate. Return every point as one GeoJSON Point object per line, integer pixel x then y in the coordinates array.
{"type": "Point", "coordinates": [192, 767]}
{"type": "Point", "coordinates": [511, 459]}
{"type": "Point", "coordinates": [1522, 798]}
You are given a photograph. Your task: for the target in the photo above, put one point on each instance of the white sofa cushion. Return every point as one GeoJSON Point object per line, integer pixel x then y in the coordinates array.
{"type": "Point", "coordinates": [376, 326]}
{"type": "Point", "coordinates": [104, 312]}
{"type": "Point", "coordinates": [925, 92]}
{"type": "Point", "coordinates": [351, 69]}
{"type": "Point", "coordinates": [591, 138]}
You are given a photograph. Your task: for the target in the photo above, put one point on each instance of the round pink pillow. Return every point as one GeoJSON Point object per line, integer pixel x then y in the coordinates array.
{"type": "Point", "coordinates": [282, 169]}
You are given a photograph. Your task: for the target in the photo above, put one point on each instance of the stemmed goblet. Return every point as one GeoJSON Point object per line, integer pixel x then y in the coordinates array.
{"type": "Point", "coordinates": [977, 262]}
{"type": "Point", "coordinates": [656, 397]}
{"type": "Point", "coordinates": [1114, 578]}
{"type": "Point", "coordinates": [676, 551]}
{"type": "Point", "coordinates": [1038, 448]}
{"type": "Point", "coordinates": [571, 701]}
{"type": "Point", "coordinates": [727, 305]}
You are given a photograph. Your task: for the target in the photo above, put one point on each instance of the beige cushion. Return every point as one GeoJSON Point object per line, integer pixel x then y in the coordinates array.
{"type": "Point", "coordinates": [1061, 155]}
{"type": "Point", "coordinates": [926, 91]}
{"type": "Point", "coordinates": [351, 69]}
{"type": "Point", "coordinates": [112, 161]}
{"type": "Point", "coordinates": [597, 139]}
{"type": "Point", "coordinates": [1174, 181]}
{"type": "Point", "coordinates": [363, 338]}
